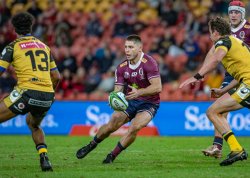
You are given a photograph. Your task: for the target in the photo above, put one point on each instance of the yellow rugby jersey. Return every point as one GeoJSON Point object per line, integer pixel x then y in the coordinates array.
{"type": "Point", "coordinates": [32, 61]}
{"type": "Point", "coordinates": [237, 59]}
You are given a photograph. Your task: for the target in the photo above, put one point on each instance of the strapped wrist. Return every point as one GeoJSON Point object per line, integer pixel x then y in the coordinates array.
{"type": "Point", "coordinates": [198, 76]}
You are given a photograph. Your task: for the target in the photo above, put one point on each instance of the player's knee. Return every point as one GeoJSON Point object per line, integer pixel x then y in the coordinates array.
{"type": "Point", "coordinates": [134, 129]}
{"type": "Point", "coordinates": [116, 115]}
{"type": "Point", "coordinates": [210, 113]}
{"type": "Point", "coordinates": [32, 125]}
{"type": "Point", "coordinates": [28, 121]}
{"type": "Point", "coordinates": [110, 127]}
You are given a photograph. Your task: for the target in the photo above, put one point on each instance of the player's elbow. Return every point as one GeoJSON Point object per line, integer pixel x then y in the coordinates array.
{"type": "Point", "coordinates": [55, 76]}
{"type": "Point", "coordinates": [157, 85]}
{"type": "Point", "coordinates": [58, 77]}
{"type": "Point", "coordinates": [158, 89]}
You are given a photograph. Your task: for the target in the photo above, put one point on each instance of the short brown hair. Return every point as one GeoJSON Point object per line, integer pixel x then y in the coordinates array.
{"type": "Point", "coordinates": [220, 25]}
{"type": "Point", "coordinates": [134, 38]}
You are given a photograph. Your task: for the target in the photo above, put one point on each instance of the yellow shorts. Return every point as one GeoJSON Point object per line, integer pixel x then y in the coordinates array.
{"type": "Point", "coordinates": [242, 95]}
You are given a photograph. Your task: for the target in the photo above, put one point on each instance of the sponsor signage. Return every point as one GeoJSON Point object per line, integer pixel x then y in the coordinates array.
{"type": "Point", "coordinates": [172, 119]}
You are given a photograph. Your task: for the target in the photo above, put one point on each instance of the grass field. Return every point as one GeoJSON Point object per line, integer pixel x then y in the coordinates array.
{"type": "Point", "coordinates": [168, 157]}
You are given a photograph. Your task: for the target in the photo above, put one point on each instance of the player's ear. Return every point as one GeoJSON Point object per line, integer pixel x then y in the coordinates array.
{"type": "Point", "coordinates": [216, 32]}
{"type": "Point", "coordinates": [140, 47]}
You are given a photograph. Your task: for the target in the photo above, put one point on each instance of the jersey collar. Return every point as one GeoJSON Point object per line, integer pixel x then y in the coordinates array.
{"type": "Point", "coordinates": [234, 30]}
{"type": "Point", "coordinates": [221, 38]}
{"type": "Point", "coordinates": [134, 66]}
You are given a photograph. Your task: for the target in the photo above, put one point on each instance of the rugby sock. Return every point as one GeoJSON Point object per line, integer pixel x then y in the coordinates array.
{"type": "Point", "coordinates": [231, 140]}
{"type": "Point", "coordinates": [118, 149]}
{"type": "Point", "coordinates": [96, 140]}
{"type": "Point", "coordinates": [41, 148]}
{"type": "Point", "coordinates": [218, 141]}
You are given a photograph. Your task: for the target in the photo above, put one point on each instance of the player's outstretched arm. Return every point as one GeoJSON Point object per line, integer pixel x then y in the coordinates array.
{"type": "Point", "coordinates": [212, 62]}
{"type": "Point", "coordinates": [55, 78]}
{"type": "Point", "coordinates": [209, 54]}
{"type": "Point", "coordinates": [209, 64]}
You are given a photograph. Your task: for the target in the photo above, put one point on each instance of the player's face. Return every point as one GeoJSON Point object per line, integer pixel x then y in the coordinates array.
{"type": "Point", "coordinates": [132, 50]}
{"type": "Point", "coordinates": [212, 35]}
{"type": "Point", "coordinates": [235, 18]}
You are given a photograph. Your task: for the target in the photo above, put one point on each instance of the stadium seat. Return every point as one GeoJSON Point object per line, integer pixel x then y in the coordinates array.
{"type": "Point", "coordinates": [59, 96]}
{"type": "Point", "coordinates": [71, 96]}
{"type": "Point", "coordinates": [188, 97]}
{"type": "Point", "coordinates": [202, 97]}
{"type": "Point", "coordinates": [105, 97]}
{"type": "Point", "coordinates": [63, 50]}
{"type": "Point", "coordinates": [176, 95]}
{"type": "Point", "coordinates": [75, 49]}
{"type": "Point", "coordinates": [16, 8]}
{"type": "Point", "coordinates": [82, 96]}
{"type": "Point", "coordinates": [95, 96]}
{"type": "Point", "coordinates": [80, 57]}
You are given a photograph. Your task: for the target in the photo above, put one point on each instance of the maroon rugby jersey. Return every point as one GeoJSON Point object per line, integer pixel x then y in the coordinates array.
{"type": "Point", "coordinates": [242, 32]}
{"type": "Point", "coordinates": [138, 76]}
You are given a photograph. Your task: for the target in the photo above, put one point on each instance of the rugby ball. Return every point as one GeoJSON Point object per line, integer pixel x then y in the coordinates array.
{"type": "Point", "coordinates": [117, 101]}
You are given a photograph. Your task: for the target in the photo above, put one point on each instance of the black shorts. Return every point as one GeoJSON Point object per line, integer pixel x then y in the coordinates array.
{"type": "Point", "coordinates": [136, 106]}
{"type": "Point", "coordinates": [23, 101]}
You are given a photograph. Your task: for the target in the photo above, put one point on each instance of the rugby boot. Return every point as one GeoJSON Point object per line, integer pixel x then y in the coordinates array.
{"type": "Point", "coordinates": [82, 152]}
{"type": "Point", "coordinates": [45, 163]}
{"type": "Point", "coordinates": [109, 159]}
{"type": "Point", "coordinates": [234, 156]}
{"type": "Point", "coordinates": [213, 151]}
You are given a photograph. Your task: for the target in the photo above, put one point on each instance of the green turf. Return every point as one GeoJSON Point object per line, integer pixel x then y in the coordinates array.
{"type": "Point", "coordinates": [173, 157]}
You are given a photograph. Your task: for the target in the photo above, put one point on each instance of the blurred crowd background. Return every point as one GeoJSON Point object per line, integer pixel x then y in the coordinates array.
{"type": "Point", "coordinates": [87, 41]}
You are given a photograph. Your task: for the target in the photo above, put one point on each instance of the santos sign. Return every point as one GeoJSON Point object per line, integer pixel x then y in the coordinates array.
{"type": "Point", "coordinates": [172, 118]}
{"type": "Point", "coordinates": [189, 118]}
{"type": "Point", "coordinates": [196, 120]}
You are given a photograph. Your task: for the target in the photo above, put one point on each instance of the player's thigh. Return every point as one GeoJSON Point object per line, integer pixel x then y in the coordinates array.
{"type": "Point", "coordinates": [141, 120]}
{"type": "Point", "coordinates": [5, 113]}
{"type": "Point", "coordinates": [34, 121]}
{"type": "Point", "coordinates": [225, 104]}
{"type": "Point", "coordinates": [39, 104]}
{"type": "Point", "coordinates": [118, 118]}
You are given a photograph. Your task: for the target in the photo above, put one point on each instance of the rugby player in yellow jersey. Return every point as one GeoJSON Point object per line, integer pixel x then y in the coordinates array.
{"type": "Point", "coordinates": [37, 78]}
{"type": "Point", "coordinates": [240, 28]}
{"type": "Point", "coordinates": [233, 54]}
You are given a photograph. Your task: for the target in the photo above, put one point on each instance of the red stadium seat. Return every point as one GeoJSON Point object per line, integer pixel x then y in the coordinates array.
{"type": "Point", "coordinates": [82, 96]}
{"type": "Point", "coordinates": [59, 96]}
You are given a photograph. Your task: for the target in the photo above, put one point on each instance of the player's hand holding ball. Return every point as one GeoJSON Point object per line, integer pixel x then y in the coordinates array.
{"type": "Point", "coordinates": [117, 101]}
{"type": "Point", "coordinates": [133, 94]}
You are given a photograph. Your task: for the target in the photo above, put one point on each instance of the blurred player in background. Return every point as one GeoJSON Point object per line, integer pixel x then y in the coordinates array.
{"type": "Point", "coordinates": [141, 74]}
{"type": "Point", "coordinates": [240, 28]}
{"type": "Point", "coordinates": [232, 53]}
{"type": "Point", "coordinates": [37, 78]}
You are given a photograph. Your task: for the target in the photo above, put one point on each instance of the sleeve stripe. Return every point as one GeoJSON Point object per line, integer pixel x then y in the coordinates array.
{"type": "Point", "coordinates": [222, 47]}
{"type": "Point", "coordinates": [55, 68]}
{"type": "Point", "coordinates": [2, 69]}
{"type": "Point", "coordinates": [155, 76]}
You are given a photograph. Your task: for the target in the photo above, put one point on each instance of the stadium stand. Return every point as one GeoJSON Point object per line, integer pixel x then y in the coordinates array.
{"type": "Point", "coordinates": [86, 38]}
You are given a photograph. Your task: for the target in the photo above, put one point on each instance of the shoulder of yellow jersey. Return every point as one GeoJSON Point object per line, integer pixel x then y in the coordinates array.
{"type": "Point", "coordinates": [124, 64]}
{"type": "Point", "coordinates": [144, 60]}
